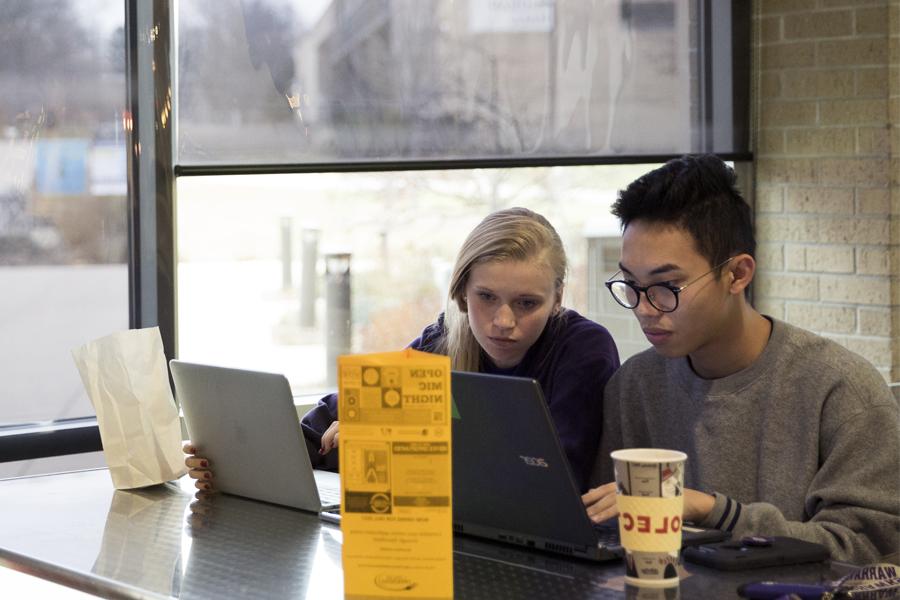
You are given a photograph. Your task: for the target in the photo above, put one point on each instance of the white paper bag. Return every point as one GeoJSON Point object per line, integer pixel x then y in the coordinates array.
{"type": "Point", "coordinates": [126, 378]}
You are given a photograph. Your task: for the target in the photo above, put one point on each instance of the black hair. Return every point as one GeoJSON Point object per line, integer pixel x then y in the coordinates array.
{"type": "Point", "coordinates": [697, 193]}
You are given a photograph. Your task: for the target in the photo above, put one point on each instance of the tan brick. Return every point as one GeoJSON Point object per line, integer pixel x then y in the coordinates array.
{"type": "Point", "coordinates": [789, 287]}
{"type": "Point", "coordinates": [853, 112]}
{"type": "Point", "coordinates": [769, 198]}
{"type": "Point", "coordinates": [895, 72]}
{"type": "Point", "coordinates": [829, 259]}
{"type": "Point", "coordinates": [850, 3]}
{"type": "Point", "coordinates": [770, 29]}
{"type": "Point", "coordinates": [873, 261]}
{"type": "Point", "coordinates": [872, 20]}
{"type": "Point", "coordinates": [809, 229]}
{"type": "Point", "coordinates": [821, 141]}
{"type": "Point", "coordinates": [832, 23]}
{"type": "Point", "coordinates": [831, 83]}
{"type": "Point", "coordinates": [800, 170]}
{"type": "Point", "coordinates": [850, 171]}
{"type": "Point", "coordinates": [854, 289]}
{"type": "Point", "coordinates": [794, 257]}
{"type": "Point", "coordinates": [770, 228]}
{"type": "Point", "coordinates": [843, 230]}
{"type": "Point", "coordinates": [875, 350]}
{"type": "Point", "coordinates": [872, 82]}
{"type": "Point", "coordinates": [797, 83]}
{"type": "Point", "coordinates": [858, 52]}
{"type": "Point", "coordinates": [769, 7]}
{"type": "Point", "coordinates": [771, 141]}
{"type": "Point", "coordinates": [773, 308]}
{"type": "Point", "coordinates": [778, 113]}
{"type": "Point", "coordinates": [819, 200]}
{"type": "Point", "coordinates": [895, 18]}
{"type": "Point", "coordinates": [770, 257]}
{"type": "Point", "coordinates": [820, 317]}
{"type": "Point", "coordinates": [873, 141]}
{"type": "Point", "coordinates": [873, 201]}
{"type": "Point", "coordinates": [781, 56]}
{"type": "Point", "coordinates": [874, 321]}
{"type": "Point", "coordinates": [769, 84]}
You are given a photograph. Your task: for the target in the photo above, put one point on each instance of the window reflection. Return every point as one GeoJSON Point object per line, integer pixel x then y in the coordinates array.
{"type": "Point", "coordinates": [281, 81]}
{"type": "Point", "coordinates": [63, 235]}
{"type": "Point", "coordinates": [268, 264]}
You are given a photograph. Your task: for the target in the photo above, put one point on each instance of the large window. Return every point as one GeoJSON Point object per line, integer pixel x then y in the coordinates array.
{"type": "Point", "coordinates": [63, 233]}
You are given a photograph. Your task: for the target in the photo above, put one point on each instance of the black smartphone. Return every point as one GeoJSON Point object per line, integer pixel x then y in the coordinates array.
{"type": "Point", "coordinates": [755, 552]}
{"type": "Point", "coordinates": [695, 536]}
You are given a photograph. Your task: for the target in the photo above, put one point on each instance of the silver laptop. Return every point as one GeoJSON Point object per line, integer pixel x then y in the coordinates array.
{"type": "Point", "coordinates": [245, 422]}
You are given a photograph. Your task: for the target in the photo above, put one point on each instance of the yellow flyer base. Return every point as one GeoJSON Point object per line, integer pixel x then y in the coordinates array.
{"type": "Point", "coordinates": [653, 583]}
{"type": "Point", "coordinates": [396, 475]}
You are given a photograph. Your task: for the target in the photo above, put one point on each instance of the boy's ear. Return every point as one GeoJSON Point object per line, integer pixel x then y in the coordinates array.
{"type": "Point", "coordinates": [741, 269]}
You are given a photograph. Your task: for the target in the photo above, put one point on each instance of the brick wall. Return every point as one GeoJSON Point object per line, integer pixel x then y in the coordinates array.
{"type": "Point", "coordinates": [826, 114]}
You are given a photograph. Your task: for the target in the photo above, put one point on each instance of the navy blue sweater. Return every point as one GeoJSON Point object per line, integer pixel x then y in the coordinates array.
{"type": "Point", "coordinates": [572, 360]}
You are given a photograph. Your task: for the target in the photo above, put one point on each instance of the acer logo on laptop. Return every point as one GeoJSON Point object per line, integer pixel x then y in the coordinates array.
{"type": "Point", "coordinates": [533, 461]}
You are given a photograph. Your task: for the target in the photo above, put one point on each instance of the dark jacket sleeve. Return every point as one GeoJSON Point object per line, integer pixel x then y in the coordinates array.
{"type": "Point", "coordinates": [314, 424]}
{"type": "Point", "coordinates": [320, 418]}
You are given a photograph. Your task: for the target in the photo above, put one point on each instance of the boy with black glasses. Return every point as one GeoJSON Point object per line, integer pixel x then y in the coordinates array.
{"type": "Point", "coordinates": [787, 433]}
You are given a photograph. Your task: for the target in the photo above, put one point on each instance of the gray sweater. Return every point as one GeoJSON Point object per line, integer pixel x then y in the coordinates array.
{"type": "Point", "coordinates": [805, 442]}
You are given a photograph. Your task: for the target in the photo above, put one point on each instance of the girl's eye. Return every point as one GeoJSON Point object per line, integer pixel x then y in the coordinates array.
{"type": "Point", "coordinates": [485, 296]}
{"type": "Point", "coordinates": [528, 304]}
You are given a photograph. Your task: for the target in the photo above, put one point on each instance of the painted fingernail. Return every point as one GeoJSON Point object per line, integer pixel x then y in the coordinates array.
{"type": "Point", "coordinates": [204, 463]}
{"type": "Point", "coordinates": [206, 475]}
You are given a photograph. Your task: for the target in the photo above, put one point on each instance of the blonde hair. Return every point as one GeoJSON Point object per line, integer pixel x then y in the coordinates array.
{"type": "Point", "coordinates": [510, 234]}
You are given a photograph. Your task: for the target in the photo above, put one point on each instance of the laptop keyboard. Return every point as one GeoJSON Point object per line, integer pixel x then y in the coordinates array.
{"type": "Point", "coordinates": [329, 495]}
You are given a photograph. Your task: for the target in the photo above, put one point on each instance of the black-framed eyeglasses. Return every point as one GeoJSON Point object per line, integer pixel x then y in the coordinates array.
{"type": "Point", "coordinates": [661, 296]}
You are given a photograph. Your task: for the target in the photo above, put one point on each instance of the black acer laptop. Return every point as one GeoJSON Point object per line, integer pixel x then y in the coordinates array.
{"type": "Point", "coordinates": [511, 480]}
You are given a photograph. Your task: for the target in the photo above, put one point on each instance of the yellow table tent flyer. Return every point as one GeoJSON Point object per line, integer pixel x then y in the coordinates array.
{"type": "Point", "coordinates": [395, 463]}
